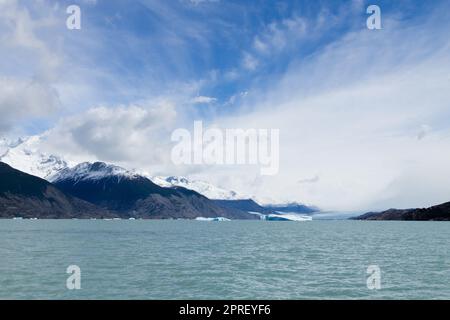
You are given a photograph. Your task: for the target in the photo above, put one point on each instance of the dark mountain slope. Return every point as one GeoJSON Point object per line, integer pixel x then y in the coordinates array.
{"type": "Point", "coordinates": [436, 213]}
{"type": "Point", "coordinates": [27, 196]}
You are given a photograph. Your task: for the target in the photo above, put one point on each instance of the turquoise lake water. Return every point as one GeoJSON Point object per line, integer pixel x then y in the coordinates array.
{"type": "Point", "coordinates": [224, 260]}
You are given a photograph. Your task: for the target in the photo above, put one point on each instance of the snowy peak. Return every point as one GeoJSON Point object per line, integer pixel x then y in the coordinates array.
{"type": "Point", "coordinates": [177, 180]}
{"type": "Point", "coordinates": [93, 171]}
{"type": "Point", "coordinates": [24, 155]}
{"type": "Point", "coordinates": [27, 155]}
{"type": "Point", "coordinates": [205, 188]}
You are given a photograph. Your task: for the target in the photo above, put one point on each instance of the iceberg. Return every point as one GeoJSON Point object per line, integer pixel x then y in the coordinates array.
{"type": "Point", "coordinates": [281, 216]}
{"type": "Point", "coordinates": [288, 217]}
{"type": "Point", "coordinates": [212, 219]}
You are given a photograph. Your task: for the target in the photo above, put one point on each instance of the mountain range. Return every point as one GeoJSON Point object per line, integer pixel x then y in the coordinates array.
{"type": "Point", "coordinates": [98, 190]}
{"type": "Point", "coordinates": [129, 193]}
{"type": "Point", "coordinates": [132, 195]}
{"type": "Point", "coordinates": [34, 184]}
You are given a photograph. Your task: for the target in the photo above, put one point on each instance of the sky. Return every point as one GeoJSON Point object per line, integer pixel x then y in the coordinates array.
{"type": "Point", "coordinates": [363, 114]}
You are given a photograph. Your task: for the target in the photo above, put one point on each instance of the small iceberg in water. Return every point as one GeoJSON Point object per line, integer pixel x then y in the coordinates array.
{"type": "Point", "coordinates": [212, 219]}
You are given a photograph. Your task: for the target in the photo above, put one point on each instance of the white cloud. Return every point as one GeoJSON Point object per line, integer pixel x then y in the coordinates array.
{"type": "Point", "coordinates": [277, 35]}
{"type": "Point", "coordinates": [28, 65]}
{"type": "Point", "coordinates": [351, 113]}
{"type": "Point", "coordinates": [236, 98]}
{"type": "Point", "coordinates": [21, 100]}
{"type": "Point", "coordinates": [137, 136]}
{"type": "Point", "coordinates": [424, 130]}
{"type": "Point", "coordinates": [314, 179]}
{"type": "Point", "coordinates": [249, 62]}
{"type": "Point", "coordinates": [20, 42]}
{"type": "Point", "coordinates": [203, 100]}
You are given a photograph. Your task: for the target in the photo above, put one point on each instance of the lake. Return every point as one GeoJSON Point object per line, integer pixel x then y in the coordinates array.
{"type": "Point", "coordinates": [155, 259]}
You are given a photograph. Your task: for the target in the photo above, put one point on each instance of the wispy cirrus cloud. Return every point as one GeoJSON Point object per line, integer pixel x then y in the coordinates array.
{"type": "Point", "coordinates": [352, 111]}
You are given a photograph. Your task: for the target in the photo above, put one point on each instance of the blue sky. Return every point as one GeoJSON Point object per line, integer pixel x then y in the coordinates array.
{"type": "Point", "coordinates": [133, 50]}
{"type": "Point", "coordinates": [350, 101]}
{"type": "Point", "coordinates": [136, 50]}
{"type": "Point", "coordinates": [156, 46]}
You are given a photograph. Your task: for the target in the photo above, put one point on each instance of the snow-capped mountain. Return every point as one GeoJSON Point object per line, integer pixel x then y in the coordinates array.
{"type": "Point", "coordinates": [24, 155]}
{"type": "Point", "coordinates": [92, 171]}
{"type": "Point", "coordinates": [205, 188]}
{"type": "Point", "coordinates": [132, 195]}
{"type": "Point", "coordinates": [26, 196]}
